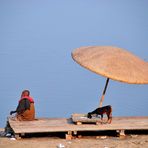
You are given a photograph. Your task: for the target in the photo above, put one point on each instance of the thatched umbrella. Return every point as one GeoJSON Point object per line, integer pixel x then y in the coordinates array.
{"type": "Point", "coordinates": [113, 63]}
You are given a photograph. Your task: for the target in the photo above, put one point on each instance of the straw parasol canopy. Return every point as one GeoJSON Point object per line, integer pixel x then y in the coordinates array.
{"type": "Point", "coordinates": [112, 62]}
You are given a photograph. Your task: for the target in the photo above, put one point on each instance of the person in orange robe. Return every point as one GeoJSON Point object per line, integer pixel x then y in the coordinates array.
{"type": "Point", "coordinates": [25, 110]}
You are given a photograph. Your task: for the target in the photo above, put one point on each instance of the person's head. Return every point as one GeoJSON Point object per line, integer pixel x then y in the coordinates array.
{"type": "Point", "coordinates": [25, 93]}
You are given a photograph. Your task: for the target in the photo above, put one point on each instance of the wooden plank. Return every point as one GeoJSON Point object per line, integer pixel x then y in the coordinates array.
{"type": "Point", "coordinates": [82, 118]}
{"type": "Point", "coordinates": [66, 125]}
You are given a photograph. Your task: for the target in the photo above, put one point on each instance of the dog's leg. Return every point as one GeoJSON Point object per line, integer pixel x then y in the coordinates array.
{"type": "Point", "coordinates": [109, 115]}
{"type": "Point", "coordinates": [101, 118]}
{"type": "Point", "coordinates": [110, 118]}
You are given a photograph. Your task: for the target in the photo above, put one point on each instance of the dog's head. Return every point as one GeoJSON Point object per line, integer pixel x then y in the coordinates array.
{"type": "Point", "coordinates": [89, 115]}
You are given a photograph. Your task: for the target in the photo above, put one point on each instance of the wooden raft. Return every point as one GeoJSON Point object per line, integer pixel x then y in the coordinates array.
{"type": "Point", "coordinates": [47, 125]}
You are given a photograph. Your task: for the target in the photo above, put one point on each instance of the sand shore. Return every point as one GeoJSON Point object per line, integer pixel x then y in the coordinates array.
{"type": "Point", "coordinates": [136, 142]}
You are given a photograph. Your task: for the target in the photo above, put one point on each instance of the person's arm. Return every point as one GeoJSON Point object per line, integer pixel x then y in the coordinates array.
{"type": "Point", "coordinates": [23, 105]}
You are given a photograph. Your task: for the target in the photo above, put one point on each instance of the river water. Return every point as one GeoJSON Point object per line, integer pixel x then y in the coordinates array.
{"type": "Point", "coordinates": [36, 41]}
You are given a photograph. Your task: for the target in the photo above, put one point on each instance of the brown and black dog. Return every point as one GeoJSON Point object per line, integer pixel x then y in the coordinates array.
{"type": "Point", "coordinates": [102, 110]}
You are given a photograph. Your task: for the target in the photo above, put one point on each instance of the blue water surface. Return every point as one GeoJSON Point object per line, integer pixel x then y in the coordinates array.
{"type": "Point", "coordinates": [36, 41]}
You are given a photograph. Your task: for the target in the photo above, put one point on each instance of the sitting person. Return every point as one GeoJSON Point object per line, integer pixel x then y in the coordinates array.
{"type": "Point", "coordinates": [25, 111]}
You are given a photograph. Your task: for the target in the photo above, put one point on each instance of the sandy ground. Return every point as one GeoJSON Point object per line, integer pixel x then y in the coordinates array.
{"type": "Point", "coordinates": [130, 141]}
{"type": "Point", "coordinates": [136, 142]}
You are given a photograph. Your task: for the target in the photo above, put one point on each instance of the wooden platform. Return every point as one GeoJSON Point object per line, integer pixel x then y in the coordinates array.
{"type": "Point", "coordinates": [47, 125]}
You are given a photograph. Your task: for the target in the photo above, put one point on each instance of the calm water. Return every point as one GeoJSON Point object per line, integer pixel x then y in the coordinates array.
{"type": "Point", "coordinates": [36, 40]}
{"type": "Point", "coordinates": [60, 87]}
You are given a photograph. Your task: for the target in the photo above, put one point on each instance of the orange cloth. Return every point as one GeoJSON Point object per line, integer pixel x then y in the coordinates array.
{"type": "Point", "coordinates": [28, 114]}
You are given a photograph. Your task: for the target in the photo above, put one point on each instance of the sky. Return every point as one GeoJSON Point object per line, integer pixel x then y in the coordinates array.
{"type": "Point", "coordinates": [36, 41]}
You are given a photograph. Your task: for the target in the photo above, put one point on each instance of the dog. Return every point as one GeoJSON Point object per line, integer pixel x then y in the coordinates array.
{"type": "Point", "coordinates": [102, 110]}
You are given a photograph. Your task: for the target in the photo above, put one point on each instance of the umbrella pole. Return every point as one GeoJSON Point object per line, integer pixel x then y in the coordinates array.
{"type": "Point", "coordinates": [103, 94]}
